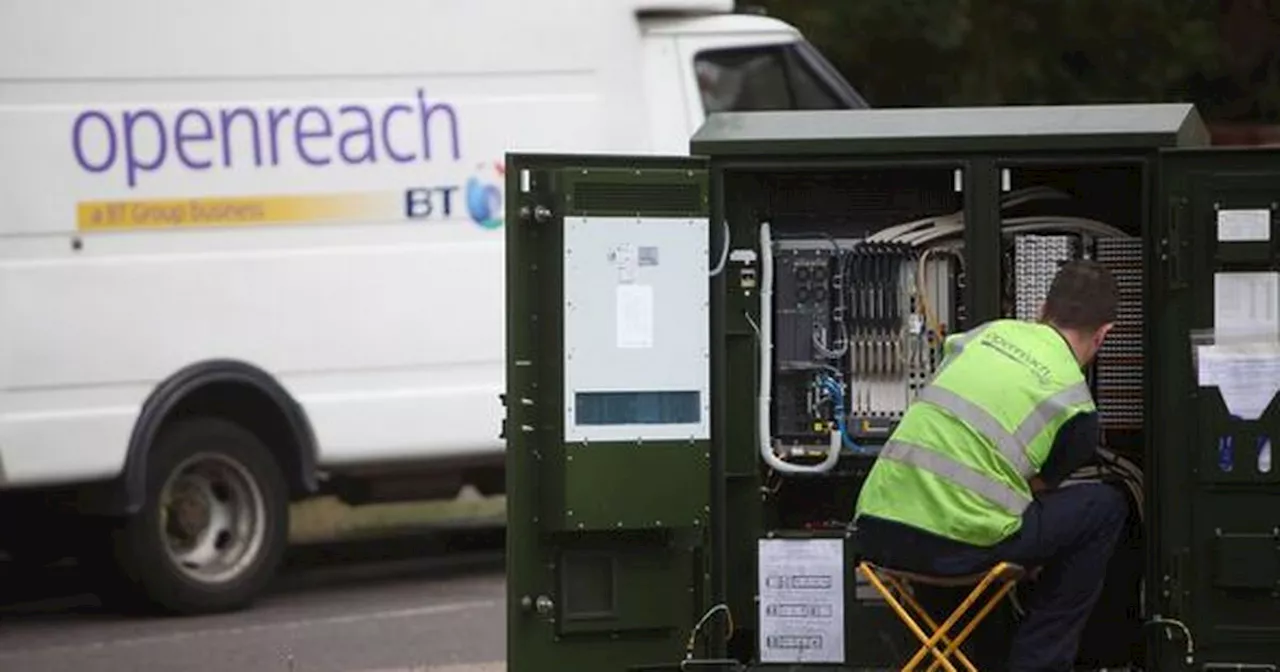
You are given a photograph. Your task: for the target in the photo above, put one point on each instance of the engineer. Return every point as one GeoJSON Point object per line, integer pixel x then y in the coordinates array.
{"type": "Point", "coordinates": [970, 476]}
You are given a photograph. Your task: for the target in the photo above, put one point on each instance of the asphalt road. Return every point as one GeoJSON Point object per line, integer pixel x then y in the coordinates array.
{"type": "Point", "coordinates": [416, 604]}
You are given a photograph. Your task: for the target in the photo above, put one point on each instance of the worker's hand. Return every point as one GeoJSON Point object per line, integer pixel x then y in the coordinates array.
{"type": "Point", "coordinates": [1037, 485]}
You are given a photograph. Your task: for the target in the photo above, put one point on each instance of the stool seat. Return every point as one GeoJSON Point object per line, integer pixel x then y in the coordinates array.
{"type": "Point", "coordinates": [890, 581]}
{"type": "Point", "coordinates": [1005, 571]}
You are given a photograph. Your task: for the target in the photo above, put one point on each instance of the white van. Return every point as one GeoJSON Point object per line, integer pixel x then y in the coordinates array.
{"type": "Point", "coordinates": [251, 251]}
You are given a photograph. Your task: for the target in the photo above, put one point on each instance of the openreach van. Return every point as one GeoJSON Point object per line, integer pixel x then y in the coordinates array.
{"type": "Point", "coordinates": [251, 251]}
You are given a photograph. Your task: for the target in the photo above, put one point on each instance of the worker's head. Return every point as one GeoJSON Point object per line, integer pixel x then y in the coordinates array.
{"type": "Point", "coordinates": [1082, 306]}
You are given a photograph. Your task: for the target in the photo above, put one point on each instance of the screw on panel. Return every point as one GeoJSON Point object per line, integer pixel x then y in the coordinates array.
{"type": "Point", "coordinates": [542, 214]}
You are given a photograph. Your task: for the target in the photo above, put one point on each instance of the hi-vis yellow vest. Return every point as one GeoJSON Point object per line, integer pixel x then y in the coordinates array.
{"type": "Point", "coordinates": [959, 463]}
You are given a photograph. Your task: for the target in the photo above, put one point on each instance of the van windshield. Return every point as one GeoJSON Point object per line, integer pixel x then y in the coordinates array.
{"type": "Point", "coordinates": [791, 76]}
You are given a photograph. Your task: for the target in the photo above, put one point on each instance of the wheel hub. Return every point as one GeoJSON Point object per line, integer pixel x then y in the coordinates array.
{"type": "Point", "coordinates": [213, 518]}
{"type": "Point", "coordinates": [190, 513]}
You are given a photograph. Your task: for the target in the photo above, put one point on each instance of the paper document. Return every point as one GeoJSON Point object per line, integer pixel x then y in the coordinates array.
{"type": "Point", "coordinates": [801, 600]}
{"type": "Point", "coordinates": [1246, 304]}
{"type": "Point", "coordinates": [1247, 375]}
{"type": "Point", "coordinates": [1244, 225]}
{"type": "Point", "coordinates": [635, 316]}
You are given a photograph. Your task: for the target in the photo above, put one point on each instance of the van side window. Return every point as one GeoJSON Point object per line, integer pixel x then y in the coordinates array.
{"type": "Point", "coordinates": [760, 78]}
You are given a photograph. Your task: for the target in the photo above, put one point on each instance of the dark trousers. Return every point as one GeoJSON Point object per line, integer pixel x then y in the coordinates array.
{"type": "Point", "coordinates": [1069, 533]}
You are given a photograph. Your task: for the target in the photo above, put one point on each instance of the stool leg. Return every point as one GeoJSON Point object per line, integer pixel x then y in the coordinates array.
{"type": "Point", "coordinates": [923, 614]}
{"type": "Point", "coordinates": [973, 625]}
{"type": "Point", "coordinates": [952, 619]}
{"type": "Point", "coordinates": [906, 618]}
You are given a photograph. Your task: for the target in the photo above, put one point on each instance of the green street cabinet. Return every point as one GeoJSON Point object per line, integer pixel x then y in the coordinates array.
{"type": "Point", "coordinates": [704, 354]}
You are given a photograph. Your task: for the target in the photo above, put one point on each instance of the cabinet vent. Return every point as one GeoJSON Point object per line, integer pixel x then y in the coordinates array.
{"type": "Point", "coordinates": [637, 198]}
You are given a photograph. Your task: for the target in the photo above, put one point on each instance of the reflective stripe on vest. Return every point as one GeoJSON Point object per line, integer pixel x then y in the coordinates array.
{"type": "Point", "coordinates": [1013, 445]}
{"type": "Point", "coordinates": [961, 474]}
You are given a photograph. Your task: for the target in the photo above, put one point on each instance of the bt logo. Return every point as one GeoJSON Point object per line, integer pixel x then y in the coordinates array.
{"type": "Point", "coordinates": [484, 195]}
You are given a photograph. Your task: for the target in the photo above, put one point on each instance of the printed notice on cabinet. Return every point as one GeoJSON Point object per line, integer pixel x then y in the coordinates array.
{"type": "Point", "coordinates": [1246, 304]}
{"type": "Point", "coordinates": [1244, 225]}
{"type": "Point", "coordinates": [801, 600]}
{"type": "Point", "coordinates": [635, 316]}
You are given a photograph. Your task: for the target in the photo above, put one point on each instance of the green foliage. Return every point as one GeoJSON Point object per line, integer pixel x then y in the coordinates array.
{"type": "Point", "coordinates": [980, 52]}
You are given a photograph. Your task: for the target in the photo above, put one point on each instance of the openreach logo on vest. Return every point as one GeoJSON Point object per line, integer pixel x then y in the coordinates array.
{"type": "Point", "coordinates": [1015, 352]}
{"type": "Point", "coordinates": [297, 162]}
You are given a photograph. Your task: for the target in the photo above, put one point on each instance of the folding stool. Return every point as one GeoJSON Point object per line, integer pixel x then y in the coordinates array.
{"type": "Point", "coordinates": [1004, 576]}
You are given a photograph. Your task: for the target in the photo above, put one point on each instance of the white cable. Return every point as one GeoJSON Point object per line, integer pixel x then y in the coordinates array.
{"type": "Point", "coordinates": [913, 230]}
{"type": "Point", "coordinates": [1023, 225]}
{"type": "Point", "coordinates": [724, 252]}
{"type": "Point", "coordinates": [939, 232]}
{"type": "Point", "coordinates": [894, 232]}
{"type": "Point", "coordinates": [764, 399]}
{"type": "Point", "coordinates": [1029, 194]}
{"type": "Point", "coordinates": [1017, 224]}
{"type": "Point", "coordinates": [821, 346]}
{"type": "Point", "coordinates": [900, 232]}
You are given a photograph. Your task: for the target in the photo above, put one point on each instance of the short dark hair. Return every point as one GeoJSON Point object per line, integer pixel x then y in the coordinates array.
{"type": "Point", "coordinates": [1082, 296]}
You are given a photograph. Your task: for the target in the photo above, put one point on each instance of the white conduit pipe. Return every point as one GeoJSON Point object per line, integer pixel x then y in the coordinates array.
{"type": "Point", "coordinates": [764, 428]}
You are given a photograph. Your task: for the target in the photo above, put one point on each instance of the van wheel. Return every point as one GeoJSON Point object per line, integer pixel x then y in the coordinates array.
{"type": "Point", "coordinates": [215, 524]}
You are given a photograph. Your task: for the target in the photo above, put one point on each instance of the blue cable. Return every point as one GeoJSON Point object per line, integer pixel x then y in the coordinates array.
{"type": "Point", "coordinates": [833, 387]}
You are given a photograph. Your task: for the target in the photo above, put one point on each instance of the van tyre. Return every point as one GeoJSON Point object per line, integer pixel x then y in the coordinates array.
{"type": "Point", "coordinates": [214, 527]}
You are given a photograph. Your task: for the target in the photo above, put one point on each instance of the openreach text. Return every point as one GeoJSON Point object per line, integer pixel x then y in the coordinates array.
{"type": "Point", "coordinates": [140, 141]}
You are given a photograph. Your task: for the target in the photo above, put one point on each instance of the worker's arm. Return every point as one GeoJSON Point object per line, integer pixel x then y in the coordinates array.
{"type": "Point", "coordinates": [1075, 446]}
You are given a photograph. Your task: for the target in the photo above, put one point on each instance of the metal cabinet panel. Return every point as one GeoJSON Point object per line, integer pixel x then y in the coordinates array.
{"type": "Point", "coordinates": [606, 529]}
{"type": "Point", "coordinates": [1217, 539]}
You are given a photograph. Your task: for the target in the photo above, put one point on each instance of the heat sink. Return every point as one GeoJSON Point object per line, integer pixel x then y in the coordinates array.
{"type": "Point", "coordinates": [1118, 370]}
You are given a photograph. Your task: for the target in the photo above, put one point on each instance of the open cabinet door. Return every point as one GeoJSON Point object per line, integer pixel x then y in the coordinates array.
{"type": "Point", "coordinates": [608, 409]}
{"type": "Point", "coordinates": [1215, 299]}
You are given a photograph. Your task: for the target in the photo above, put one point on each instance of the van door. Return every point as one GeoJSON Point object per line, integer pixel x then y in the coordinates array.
{"type": "Point", "coordinates": [1215, 301]}
{"type": "Point", "coordinates": [608, 423]}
